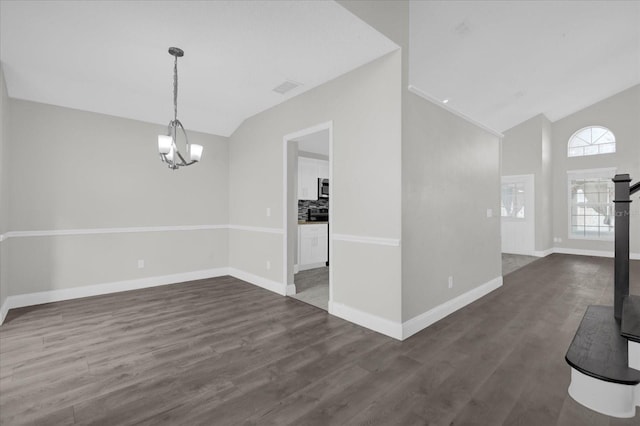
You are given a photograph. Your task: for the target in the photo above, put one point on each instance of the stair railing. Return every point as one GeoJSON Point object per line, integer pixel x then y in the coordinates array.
{"type": "Point", "coordinates": [623, 192]}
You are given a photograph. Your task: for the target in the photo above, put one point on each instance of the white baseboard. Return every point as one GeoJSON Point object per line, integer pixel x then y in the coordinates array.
{"type": "Point", "coordinates": [275, 286]}
{"type": "Point", "coordinates": [311, 266]}
{"type": "Point", "coordinates": [4, 308]}
{"type": "Point", "coordinates": [596, 253]}
{"type": "Point", "coordinates": [48, 296]}
{"type": "Point", "coordinates": [536, 253]}
{"type": "Point", "coordinates": [30, 299]}
{"type": "Point", "coordinates": [422, 321]}
{"type": "Point", "coordinates": [543, 253]}
{"type": "Point", "coordinates": [402, 331]}
{"type": "Point", "coordinates": [577, 252]}
{"type": "Point", "coordinates": [581, 252]}
{"type": "Point", "coordinates": [520, 253]}
{"type": "Point", "coordinates": [367, 320]}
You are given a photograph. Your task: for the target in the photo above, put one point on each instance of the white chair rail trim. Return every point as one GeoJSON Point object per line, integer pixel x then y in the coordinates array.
{"type": "Point", "coordinates": [133, 229]}
{"type": "Point", "coordinates": [394, 242]}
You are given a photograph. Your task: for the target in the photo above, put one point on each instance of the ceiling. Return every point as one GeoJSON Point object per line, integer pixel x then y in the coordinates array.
{"type": "Point", "coordinates": [111, 57]}
{"type": "Point", "coordinates": [503, 62]}
{"type": "Point", "coordinates": [316, 143]}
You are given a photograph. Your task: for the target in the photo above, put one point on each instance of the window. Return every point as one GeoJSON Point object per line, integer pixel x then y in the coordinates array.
{"type": "Point", "coordinates": [591, 208]}
{"type": "Point", "coordinates": [512, 201]}
{"type": "Point", "coordinates": [592, 140]}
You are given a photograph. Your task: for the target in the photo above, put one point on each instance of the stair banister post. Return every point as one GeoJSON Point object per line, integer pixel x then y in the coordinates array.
{"type": "Point", "coordinates": [622, 209]}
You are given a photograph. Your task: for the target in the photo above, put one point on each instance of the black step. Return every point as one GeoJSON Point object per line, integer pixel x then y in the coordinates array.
{"type": "Point", "coordinates": [630, 326]}
{"type": "Point", "coordinates": [598, 350]}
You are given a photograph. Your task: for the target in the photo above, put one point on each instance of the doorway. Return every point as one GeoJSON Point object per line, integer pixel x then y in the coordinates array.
{"type": "Point", "coordinates": [518, 215]}
{"type": "Point", "coordinates": [308, 211]}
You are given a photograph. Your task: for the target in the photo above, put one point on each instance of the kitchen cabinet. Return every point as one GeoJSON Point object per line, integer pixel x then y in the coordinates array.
{"type": "Point", "coordinates": [313, 246]}
{"type": "Point", "coordinates": [323, 169]}
{"type": "Point", "coordinates": [307, 179]}
{"type": "Point", "coordinates": [309, 170]}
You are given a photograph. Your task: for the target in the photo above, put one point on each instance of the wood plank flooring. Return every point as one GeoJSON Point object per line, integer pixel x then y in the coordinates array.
{"type": "Point", "coordinates": [223, 352]}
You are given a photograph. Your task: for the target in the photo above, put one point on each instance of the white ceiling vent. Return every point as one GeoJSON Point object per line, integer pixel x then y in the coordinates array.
{"type": "Point", "coordinates": [286, 86]}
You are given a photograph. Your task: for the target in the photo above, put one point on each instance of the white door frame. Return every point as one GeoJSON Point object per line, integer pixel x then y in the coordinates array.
{"type": "Point", "coordinates": [327, 125]}
{"type": "Point", "coordinates": [530, 209]}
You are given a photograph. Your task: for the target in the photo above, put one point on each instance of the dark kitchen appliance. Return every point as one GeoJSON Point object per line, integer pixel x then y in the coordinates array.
{"type": "Point", "coordinates": [320, 215]}
{"type": "Point", "coordinates": [323, 188]}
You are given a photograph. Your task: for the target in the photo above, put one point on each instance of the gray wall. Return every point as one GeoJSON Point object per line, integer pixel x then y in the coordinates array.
{"type": "Point", "coordinates": [620, 113]}
{"type": "Point", "coordinates": [364, 106]}
{"type": "Point", "coordinates": [4, 190]}
{"type": "Point", "coordinates": [526, 149]}
{"type": "Point", "coordinates": [79, 170]}
{"type": "Point", "coordinates": [450, 177]}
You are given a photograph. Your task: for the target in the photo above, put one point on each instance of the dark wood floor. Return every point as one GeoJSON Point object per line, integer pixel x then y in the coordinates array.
{"type": "Point", "coordinates": [221, 351]}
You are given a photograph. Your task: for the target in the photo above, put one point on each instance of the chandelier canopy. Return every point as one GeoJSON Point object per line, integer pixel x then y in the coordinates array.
{"type": "Point", "coordinates": [167, 144]}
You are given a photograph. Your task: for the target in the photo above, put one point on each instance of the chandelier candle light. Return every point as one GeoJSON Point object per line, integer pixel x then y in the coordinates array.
{"type": "Point", "coordinates": [167, 146]}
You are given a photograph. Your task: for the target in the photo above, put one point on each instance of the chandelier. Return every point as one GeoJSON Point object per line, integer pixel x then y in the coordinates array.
{"type": "Point", "coordinates": [167, 144]}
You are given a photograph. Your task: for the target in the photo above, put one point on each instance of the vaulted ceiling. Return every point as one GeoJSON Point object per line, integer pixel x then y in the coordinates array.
{"type": "Point", "coordinates": [498, 62]}
{"type": "Point", "coordinates": [503, 62]}
{"type": "Point", "coordinates": [111, 56]}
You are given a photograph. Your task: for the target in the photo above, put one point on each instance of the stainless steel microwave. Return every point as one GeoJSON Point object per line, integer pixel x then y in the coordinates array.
{"type": "Point", "coordinates": [323, 188]}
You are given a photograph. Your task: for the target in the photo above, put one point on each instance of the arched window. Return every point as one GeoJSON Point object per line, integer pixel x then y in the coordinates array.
{"type": "Point", "coordinates": [592, 140]}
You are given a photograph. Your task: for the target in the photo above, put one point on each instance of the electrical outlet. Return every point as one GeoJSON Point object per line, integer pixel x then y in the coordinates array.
{"type": "Point", "coordinates": [450, 282]}
{"type": "Point", "coordinates": [268, 211]}
{"type": "Point", "coordinates": [140, 263]}
{"type": "Point", "coordinates": [268, 264]}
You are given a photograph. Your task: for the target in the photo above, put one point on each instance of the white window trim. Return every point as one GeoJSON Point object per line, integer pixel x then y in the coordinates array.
{"type": "Point", "coordinates": [606, 172]}
{"type": "Point", "coordinates": [515, 179]}
{"type": "Point", "coordinates": [615, 142]}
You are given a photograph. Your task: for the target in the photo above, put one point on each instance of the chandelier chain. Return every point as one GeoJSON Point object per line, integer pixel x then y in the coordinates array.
{"type": "Point", "coordinates": [175, 88]}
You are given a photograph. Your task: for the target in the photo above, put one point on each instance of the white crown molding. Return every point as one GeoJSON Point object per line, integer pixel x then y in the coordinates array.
{"type": "Point", "coordinates": [394, 242]}
{"type": "Point", "coordinates": [367, 320]}
{"type": "Point", "coordinates": [424, 320]}
{"type": "Point", "coordinates": [257, 229]}
{"type": "Point", "coordinates": [437, 102]}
